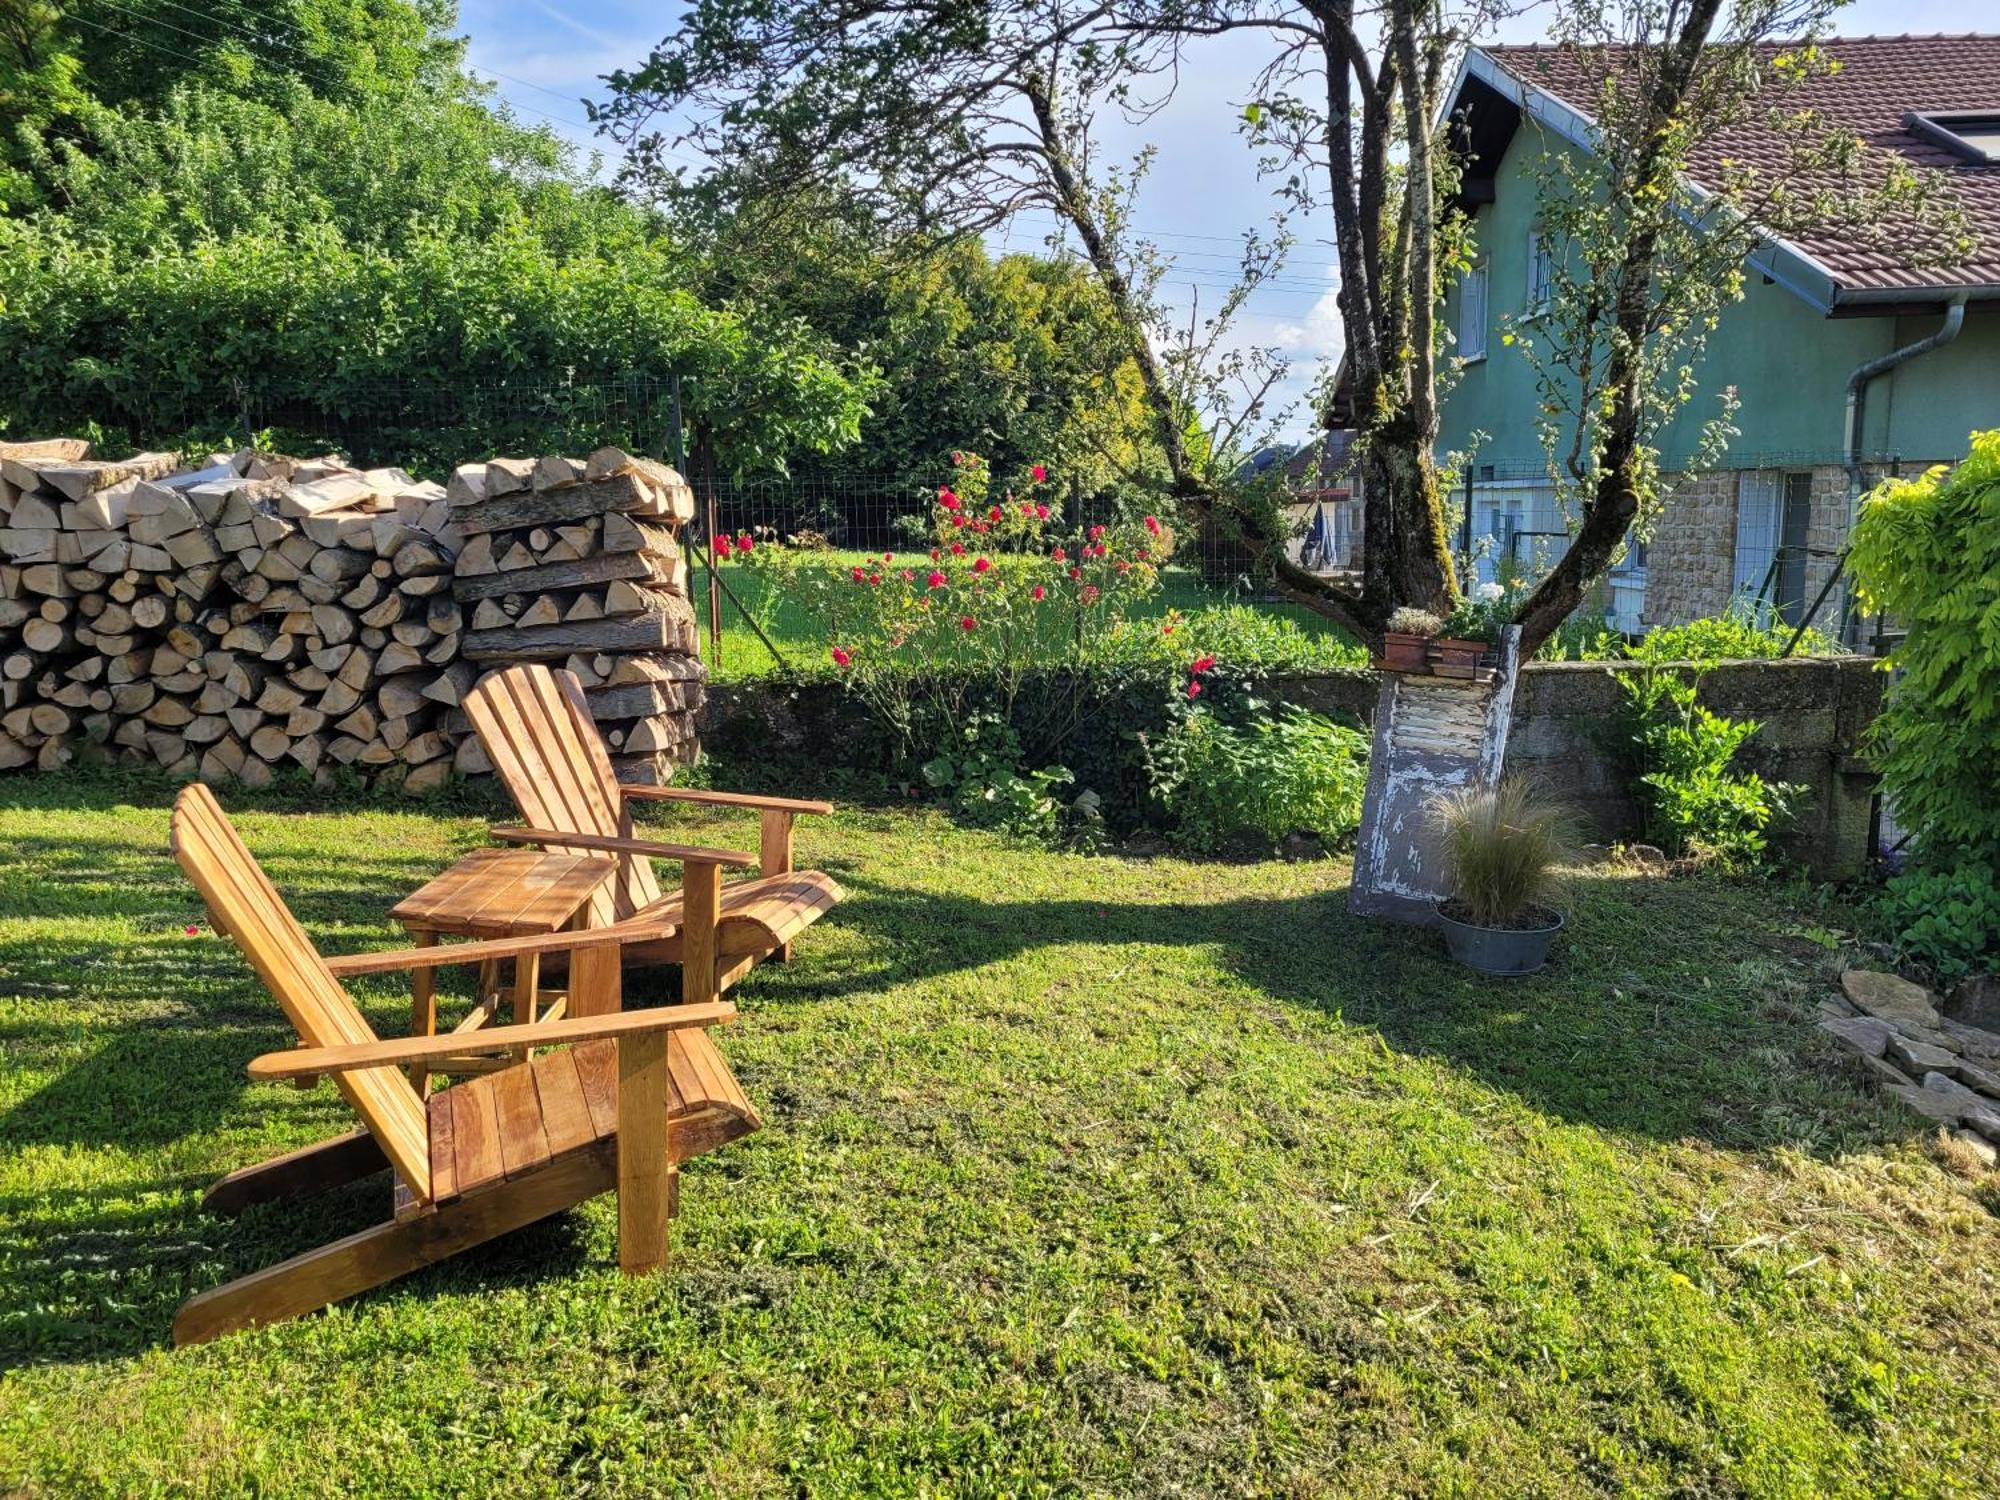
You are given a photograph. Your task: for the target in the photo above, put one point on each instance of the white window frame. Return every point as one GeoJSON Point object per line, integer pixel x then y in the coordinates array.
{"type": "Point", "coordinates": [1472, 289]}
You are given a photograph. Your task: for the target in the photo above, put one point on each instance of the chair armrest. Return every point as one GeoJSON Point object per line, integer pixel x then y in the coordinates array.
{"type": "Point", "coordinates": [685, 853]}
{"type": "Point", "coordinates": [637, 930]}
{"type": "Point", "coordinates": [400, 1051]}
{"type": "Point", "coordinates": [724, 799]}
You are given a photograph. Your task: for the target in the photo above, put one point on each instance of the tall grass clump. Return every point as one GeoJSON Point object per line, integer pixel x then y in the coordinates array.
{"type": "Point", "coordinates": [1501, 847]}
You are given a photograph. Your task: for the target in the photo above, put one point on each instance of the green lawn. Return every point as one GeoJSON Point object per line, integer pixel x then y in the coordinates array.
{"type": "Point", "coordinates": [1081, 1175]}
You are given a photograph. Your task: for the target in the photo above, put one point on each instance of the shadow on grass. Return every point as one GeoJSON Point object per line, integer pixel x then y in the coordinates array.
{"type": "Point", "coordinates": [1644, 1022]}
{"type": "Point", "coordinates": [1644, 1025]}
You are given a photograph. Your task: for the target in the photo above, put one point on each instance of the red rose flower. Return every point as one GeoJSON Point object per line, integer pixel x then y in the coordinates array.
{"type": "Point", "coordinates": [1202, 664]}
{"type": "Point", "coordinates": [888, 557]}
{"type": "Point", "coordinates": [191, 930]}
{"type": "Point", "coordinates": [1059, 555]}
{"type": "Point", "coordinates": [1038, 593]}
{"type": "Point", "coordinates": [1038, 473]}
{"type": "Point", "coordinates": [946, 498]}
{"type": "Point", "coordinates": [722, 546]}
{"type": "Point", "coordinates": [1096, 532]}
{"type": "Point", "coordinates": [934, 554]}
{"type": "Point", "coordinates": [1153, 524]}
{"type": "Point", "coordinates": [841, 658]}
{"type": "Point", "coordinates": [1076, 572]}
{"type": "Point", "coordinates": [957, 458]}
{"type": "Point", "coordinates": [874, 579]}
{"type": "Point", "coordinates": [1194, 690]}
{"type": "Point", "coordinates": [936, 580]}
{"type": "Point", "coordinates": [1041, 512]}
{"type": "Point", "coordinates": [982, 566]}
{"type": "Point", "coordinates": [958, 549]}
{"type": "Point", "coordinates": [1090, 593]}
{"type": "Point", "coordinates": [859, 575]}
{"type": "Point", "coordinates": [743, 542]}
{"type": "Point", "coordinates": [966, 622]}
{"type": "Point", "coordinates": [993, 514]}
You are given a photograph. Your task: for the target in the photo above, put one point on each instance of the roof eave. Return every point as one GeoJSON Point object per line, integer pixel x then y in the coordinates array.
{"type": "Point", "coordinates": [1785, 263]}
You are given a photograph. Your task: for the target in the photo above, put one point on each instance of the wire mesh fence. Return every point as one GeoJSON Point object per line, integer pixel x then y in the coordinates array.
{"type": "Point", "coordinates": [751, 626]}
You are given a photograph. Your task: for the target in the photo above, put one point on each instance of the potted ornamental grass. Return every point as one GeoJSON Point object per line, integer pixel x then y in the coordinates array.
{"type": "Point", "coordinates": [1406, 640]}
{"type": "Point", "coordinates": [1501, 848]}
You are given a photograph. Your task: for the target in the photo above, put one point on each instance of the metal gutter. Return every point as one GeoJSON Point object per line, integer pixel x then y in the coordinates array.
{"type": "Point", "coordinates": [1865, 374]}
{"type": "Point", "coordinates": [1852, 432]}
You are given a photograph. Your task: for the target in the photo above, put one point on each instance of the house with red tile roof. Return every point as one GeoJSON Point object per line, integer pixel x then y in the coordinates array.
{"type": "Point", "coordinates": [1850, 357]}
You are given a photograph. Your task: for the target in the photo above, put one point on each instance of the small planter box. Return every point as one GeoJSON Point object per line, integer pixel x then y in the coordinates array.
{"type": "Point", "coordinates": [1404, 652]}
{"type": "Point", "coordinates": [1451, 657]}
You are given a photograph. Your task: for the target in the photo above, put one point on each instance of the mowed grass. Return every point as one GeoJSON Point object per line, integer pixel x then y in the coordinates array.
{"type": "Point", "coordinates": [1080, 1176]}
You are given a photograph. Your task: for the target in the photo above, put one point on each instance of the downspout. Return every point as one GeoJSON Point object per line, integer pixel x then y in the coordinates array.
{"type": "Point", "coordinates": [1851, 436]}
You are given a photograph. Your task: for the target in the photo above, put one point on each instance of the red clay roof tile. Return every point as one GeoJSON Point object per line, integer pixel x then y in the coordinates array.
{"type": "Point", "coordinates": [1881, 81]}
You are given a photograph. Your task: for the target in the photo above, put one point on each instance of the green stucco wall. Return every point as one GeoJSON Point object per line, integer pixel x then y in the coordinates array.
{"type": "Point", "coordinates": [1788, 363]}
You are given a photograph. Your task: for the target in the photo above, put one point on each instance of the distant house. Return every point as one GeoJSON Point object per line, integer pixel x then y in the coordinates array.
{"type": "Point", "coordinates": [1322, 512]}
{"type": "Point", "coordinates": [1849, 362]}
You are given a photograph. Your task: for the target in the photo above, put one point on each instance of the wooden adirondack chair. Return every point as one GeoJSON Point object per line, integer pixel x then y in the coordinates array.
{"type": "Point", "coordinates": [536, 728]}
{"type": "Point", "coordinates": [632, 1097]}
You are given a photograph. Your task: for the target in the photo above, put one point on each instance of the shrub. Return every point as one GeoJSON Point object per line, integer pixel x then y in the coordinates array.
{"type": "Point", "coordinates": [1696, 801]}
{"type": "Point", "coordinates": [929, 639]}
{"type": "Point", "coordinates": [1945, 917]}
{"type": "Point", "coordinates": [1276, 774]}
{"type": "Point", "coordinates": [1501, 847]}
{"type": "Point", "coordinates": [1739, 633]}
{"type": "Point", "coordinates": [1927, 551]}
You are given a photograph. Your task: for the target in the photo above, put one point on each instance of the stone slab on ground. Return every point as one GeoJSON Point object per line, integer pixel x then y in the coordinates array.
{"type": "Point", "coordinates": [1972, 1075]}
{"type": "Point", "coordinates": [1888, 1072]}
{"type": "Point", "coordinates": [1889, 997]}
{"type": "Point", "coordinates": [1919, 1057]}
{"type": "Point", "coordinates": [1976, 1002]}
{"type": "Point", "coordinates": [1864, 1034]}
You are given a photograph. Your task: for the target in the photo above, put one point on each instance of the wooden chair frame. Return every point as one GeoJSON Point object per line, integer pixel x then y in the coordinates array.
{"type": "Point", "coordinates": [535, 725]}
{"type": "Point", "coordinates": [633, 1143]}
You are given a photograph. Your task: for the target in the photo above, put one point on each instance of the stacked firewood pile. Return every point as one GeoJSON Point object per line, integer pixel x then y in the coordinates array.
{"type": "Point", "coordinates": [258, 613]}
{"type": "Point", "coordinates": [578, 564]}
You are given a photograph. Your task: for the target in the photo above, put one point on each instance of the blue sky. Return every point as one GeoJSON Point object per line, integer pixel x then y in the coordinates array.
{"type": "Point", "coordinates": [545, 56]}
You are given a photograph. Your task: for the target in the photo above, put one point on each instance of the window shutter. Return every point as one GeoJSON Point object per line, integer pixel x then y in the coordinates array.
{"type": "Point", "coordinates": [1472, 314]}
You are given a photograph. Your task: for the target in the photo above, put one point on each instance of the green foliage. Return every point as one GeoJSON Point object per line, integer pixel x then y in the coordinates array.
{"type": "Point", "coordinates": [981, 778]}
{"type": "Point", "coordinates": [1274, 774]}
{"type": "Point", "coordinates": [932, 637]}
{"type": "Point", "coordinates": [1246, 636]}
{"type": "Point", "coordinates": [1945, 917]}
{"type": "Point", "coordinates": [302, 214]}
{"type": "Point", "coordinates": [1927, 552]}
{"type": "Point", "coordinates": [1501, 847]}
{"type": "Point", "coordinates": [1740, 633]}
{"type": "Point", "coordinates": [1697, 802]}
{"type": "Point", "coordinates": [151, 348]}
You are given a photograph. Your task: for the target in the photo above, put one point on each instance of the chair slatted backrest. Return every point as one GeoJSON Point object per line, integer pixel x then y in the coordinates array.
{"type": "Point", "coordinates": [536, 728]}
{"type": "Point", "coordinates": [245, 905]}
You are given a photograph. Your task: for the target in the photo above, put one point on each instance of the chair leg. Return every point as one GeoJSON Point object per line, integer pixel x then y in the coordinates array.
{"type": "Point", "coordinates": [648, 1179]}
{"type": "Point", "coordinates": [380, 1254]}
{"type": "Point", "coordinates": [775, 858]}
{"type": "Point", "coordinates": [327, 1164]}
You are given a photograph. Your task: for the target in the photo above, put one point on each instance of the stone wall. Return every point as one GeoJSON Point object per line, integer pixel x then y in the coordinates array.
{"type": "Point", "coordinates": [1813, 711]}
{"type": "Point", "coordinates": [1691, 560]}
{"type": "Point", "coordinates": [1691, 563]}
